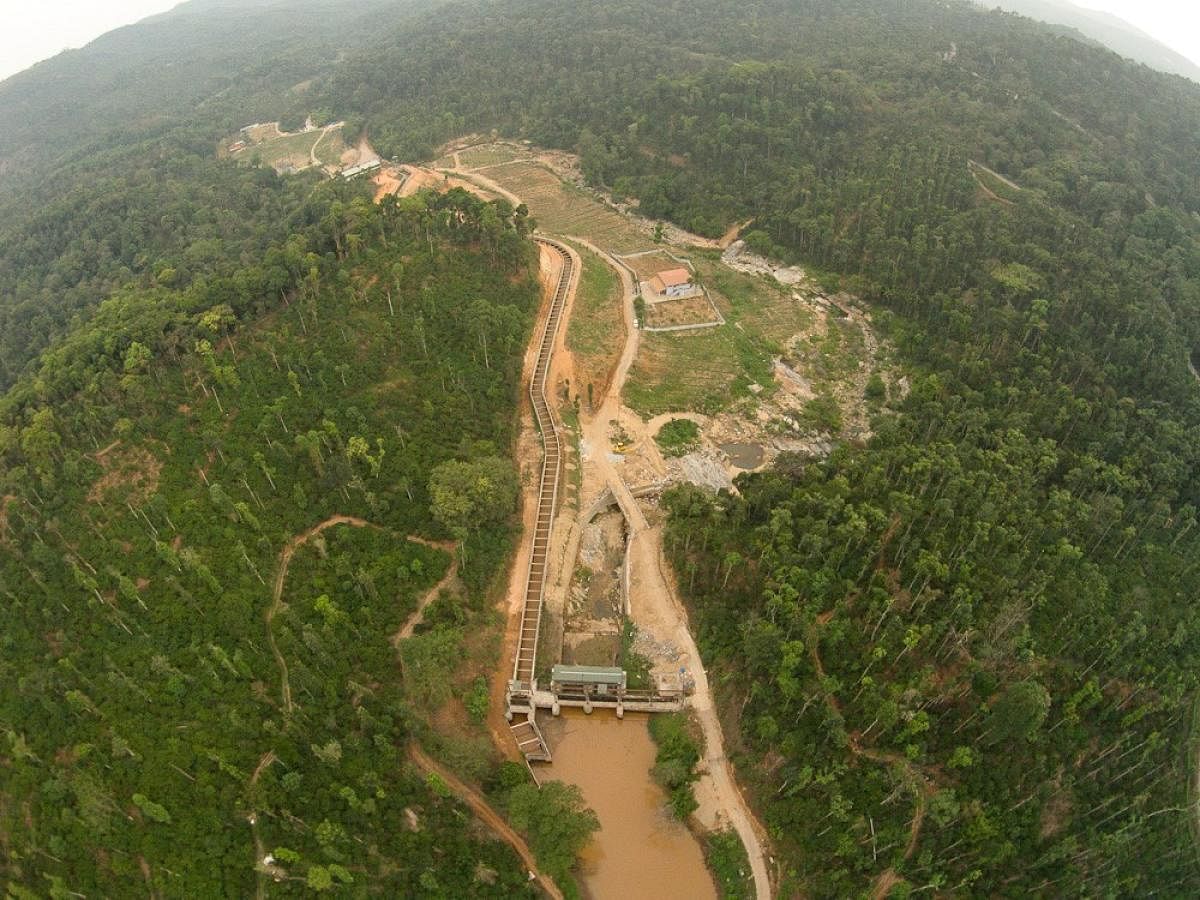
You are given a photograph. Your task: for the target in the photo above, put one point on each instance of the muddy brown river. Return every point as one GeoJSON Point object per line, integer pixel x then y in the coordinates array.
{"type": "Point", "coordinates": [640, 851]}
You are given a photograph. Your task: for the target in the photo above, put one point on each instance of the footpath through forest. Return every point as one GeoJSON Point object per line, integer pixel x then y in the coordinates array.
{"type": "Point", "coordinates": [281, 572]}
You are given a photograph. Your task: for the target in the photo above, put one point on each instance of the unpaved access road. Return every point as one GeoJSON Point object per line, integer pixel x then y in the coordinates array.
{"type": "Point", "coordinates": [654, 595]}
{"type": "Point", "coordinates": [488, 816]}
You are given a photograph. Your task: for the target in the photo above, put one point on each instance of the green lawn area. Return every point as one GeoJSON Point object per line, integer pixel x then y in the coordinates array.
{"type": "Point", "coordinates": [488, 155]}
{"type": "Point", "coordinates": [707, 370]}
{"type": "Point", "coordinates": [331, 149]}
{"type": "Point", "coordinates": [703, 371]}
{"type": "Point", "coordinates": [596, 332]}
{"type": "Point", "coordinates": [294, 147]}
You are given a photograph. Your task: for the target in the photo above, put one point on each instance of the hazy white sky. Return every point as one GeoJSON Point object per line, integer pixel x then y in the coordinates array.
{"type": "Point", "coordinates": [1175, 23]}
{"type": "Point", "coordinates": [32, 31]}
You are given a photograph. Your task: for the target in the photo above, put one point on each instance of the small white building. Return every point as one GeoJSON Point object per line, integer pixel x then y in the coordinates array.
{"type": "Point", "coordinates": [673, 283]}
{"type": "Point", "coordinates": [368, 166]}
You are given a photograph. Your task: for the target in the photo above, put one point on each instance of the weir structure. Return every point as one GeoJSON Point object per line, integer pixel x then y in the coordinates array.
{"type": "Point", "coordinates": [584, 686]}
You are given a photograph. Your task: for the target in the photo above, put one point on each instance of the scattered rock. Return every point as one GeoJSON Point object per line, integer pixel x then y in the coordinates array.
{"type": "Point", "coordinates": [656, 651]}
{"type": "Point", "coordinates": [704, 470]}
{"type": "Point", "coordinates": [411, 820]}
{"type": "Point", "coordinates": [793, 381]}
{"type": "Point", "coordinates": [814, 447]}
{"type": "Point", "coordinates": [591, 545]}
{"type": "Point", "coordinates": [738, 259]}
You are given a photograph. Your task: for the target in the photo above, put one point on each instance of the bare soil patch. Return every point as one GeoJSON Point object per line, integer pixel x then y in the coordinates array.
{"type": "Point", "coordinates": [130, 474]}
{"type": "Point", "coordinates": [420, 178]}
{"type": "Point", "coordinates": [647, 265]}
{"type": "Point", "coordinates": [683, 311]}
{"type": "Point", "coordinates": [387, 180]}
{"type": "Point", "coordinates": [594, 604]}
{"type": "Point", "coordinates": [584, 649]}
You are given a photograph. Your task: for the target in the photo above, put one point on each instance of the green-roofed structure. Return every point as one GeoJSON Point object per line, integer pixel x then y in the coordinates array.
{"type": "Point", "coordinates": [600, 679]}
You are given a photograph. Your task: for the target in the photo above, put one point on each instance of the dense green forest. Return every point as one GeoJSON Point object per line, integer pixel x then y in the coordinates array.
{"type": "Point", "coordinates": [962, 654]}
{"type": "Point", "coordinates": [172, 712]}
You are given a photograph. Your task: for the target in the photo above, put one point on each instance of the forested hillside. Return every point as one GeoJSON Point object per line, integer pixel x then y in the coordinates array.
{"type": "Point", "coordinates": [1109, 30]}
{"type": "Point", "coordinates": [959, 657]}
{"type": "Point", "coordinates": [175, 708]}
{"type": "Point", "coordinates": [107, 165]}
{"type": "Point", "coordinates": [201, 60]}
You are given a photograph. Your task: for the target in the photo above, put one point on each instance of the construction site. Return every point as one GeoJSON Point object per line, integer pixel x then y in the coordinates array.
{"type": "Point", "coordinates": [645, 330]}
{"type": "Point", "coordinates": [585, 686]}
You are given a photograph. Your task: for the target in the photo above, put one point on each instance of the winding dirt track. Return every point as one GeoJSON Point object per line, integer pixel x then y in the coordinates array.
{"type": "Point", "coordinates": [488, 816]}
{"type": "Point", "coordinates": [922, 786]}
{"type": "Point", "coordinates": [281, 570]}
{"type": "Point", "coordinates": [418, 615]}
{"type": "Point", "coordinates": [285, 561]}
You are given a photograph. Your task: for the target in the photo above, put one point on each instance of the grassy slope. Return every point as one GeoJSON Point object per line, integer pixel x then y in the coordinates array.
{"type": "Point", "coordinates": [596, 332]}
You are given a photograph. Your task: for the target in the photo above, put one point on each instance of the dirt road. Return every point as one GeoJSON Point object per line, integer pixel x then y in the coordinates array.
{"type": "Point", "coordinates": [489, 817]}
{"type": "Point", "coordinates": [656, 603]}
{"type": "Point", "coordinates": [419, 178]}
{"type": "Point", "coordinates": [312, 153]}
{"type": "Point", "coordinates": [488, 184]}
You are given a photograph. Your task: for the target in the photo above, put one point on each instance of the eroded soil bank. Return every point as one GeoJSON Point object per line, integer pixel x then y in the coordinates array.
{"type": "Point", "coordinates": [641, 850]}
